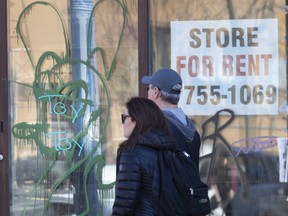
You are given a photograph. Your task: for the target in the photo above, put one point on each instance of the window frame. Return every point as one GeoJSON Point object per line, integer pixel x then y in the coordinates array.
{"type": "Point", "coordinates": [4, 163]}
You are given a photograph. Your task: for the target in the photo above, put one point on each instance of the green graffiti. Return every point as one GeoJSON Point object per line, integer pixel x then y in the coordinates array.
{"type": "Point", "coordinates": [60, 100]}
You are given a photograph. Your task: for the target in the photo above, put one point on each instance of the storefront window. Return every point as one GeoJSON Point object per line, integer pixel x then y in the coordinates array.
{"type": "Point", "coordinates": [72, 66]}
{"type": "Point", "coordinates": [231, 56]}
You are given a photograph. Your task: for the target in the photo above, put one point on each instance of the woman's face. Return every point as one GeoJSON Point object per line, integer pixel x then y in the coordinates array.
{"type": "Point", "coordinates": [128, 124]}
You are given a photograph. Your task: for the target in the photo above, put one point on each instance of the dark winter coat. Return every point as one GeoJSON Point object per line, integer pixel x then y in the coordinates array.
{"type": "Point", "coordinates": [137, 180]}
{"type": "Point", "coordinates": [185, 136]}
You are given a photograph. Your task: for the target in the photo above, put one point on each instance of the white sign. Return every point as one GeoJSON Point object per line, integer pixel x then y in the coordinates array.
{"type": "Point", "coordinates": [227, 64]}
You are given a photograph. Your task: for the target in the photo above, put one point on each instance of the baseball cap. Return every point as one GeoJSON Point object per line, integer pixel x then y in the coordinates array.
{"type": "Point", "coordinates": [164, 79]}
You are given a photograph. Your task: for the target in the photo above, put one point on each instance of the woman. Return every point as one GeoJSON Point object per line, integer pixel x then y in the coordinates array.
{"type": "Point", "coordinates": [137, 182]}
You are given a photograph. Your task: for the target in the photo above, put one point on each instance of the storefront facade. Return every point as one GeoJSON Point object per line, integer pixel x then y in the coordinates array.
{"type": "Point", "coordinates": [67, 68]}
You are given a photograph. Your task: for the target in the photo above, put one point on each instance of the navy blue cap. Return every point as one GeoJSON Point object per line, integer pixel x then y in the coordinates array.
{"type": "Point", "coordinates": [164, 79]}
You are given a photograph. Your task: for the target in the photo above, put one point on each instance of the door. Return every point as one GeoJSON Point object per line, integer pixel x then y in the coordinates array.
{"type": "Point", "coordinates": [68, 81]}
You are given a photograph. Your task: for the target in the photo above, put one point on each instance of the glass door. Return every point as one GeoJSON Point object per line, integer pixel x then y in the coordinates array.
{"type": "Point", "coordinates": [72, 66]}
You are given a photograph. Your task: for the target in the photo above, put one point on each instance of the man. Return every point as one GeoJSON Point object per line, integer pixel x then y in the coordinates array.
{"type": "Point", "coordinates": [164, 88]}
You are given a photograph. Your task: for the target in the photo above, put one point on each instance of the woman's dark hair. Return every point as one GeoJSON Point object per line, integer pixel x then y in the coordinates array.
{"type": "Point", "coordinates": [147, 116]}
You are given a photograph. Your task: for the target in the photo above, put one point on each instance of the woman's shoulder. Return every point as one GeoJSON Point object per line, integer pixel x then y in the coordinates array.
{"type": "Point", "coordinates": [145, 152]}
{"type": "Point", "coordinates": [139, 150]}
{"type": "Point", "coordinates": [129, 156]}
{"type": "Point", "coordinates": [138, 156]}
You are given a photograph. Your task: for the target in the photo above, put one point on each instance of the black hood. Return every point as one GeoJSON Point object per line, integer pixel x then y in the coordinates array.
{"type": "Point", "coordinates": [188, 130]}
{"type": "Point", "coordinates": [157, 139]}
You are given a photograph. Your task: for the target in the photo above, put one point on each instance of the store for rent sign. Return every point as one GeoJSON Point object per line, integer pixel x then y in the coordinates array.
{"type": "Point", "coordinates": [230, 64]}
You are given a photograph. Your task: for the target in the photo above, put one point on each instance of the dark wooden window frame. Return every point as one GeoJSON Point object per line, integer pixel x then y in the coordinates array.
{"type": "Point", "coordinates": [143, 43]}
{"type": "Point", "coordinates": [4, 163]}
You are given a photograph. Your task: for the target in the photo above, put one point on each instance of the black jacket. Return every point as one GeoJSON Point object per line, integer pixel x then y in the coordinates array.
{"type": "Point", "coordinates": [185, 136]}
{"type": "Point", "coordinates": [137, 179]}
{"type": "Point", "coordinates": [192, 147]}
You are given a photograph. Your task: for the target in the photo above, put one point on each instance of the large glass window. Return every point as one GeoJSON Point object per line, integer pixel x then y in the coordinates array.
{"type": "Point", "coordinates": [72, 66]}
{"type": "Point", "coordinates": [231, 56]}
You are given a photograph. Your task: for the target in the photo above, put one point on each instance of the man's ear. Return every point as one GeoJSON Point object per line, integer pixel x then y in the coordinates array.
{"type": "Point", "coordinates": [156, 93]}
